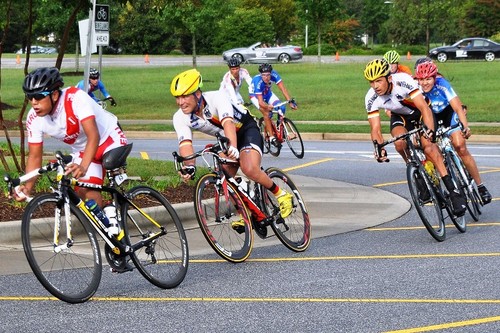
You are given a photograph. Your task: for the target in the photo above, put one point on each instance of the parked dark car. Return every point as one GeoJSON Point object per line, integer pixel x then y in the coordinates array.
{"type": "Point", "coordinates": [467, 48]}
{"type": "Point", "coordinates": [258, 53]}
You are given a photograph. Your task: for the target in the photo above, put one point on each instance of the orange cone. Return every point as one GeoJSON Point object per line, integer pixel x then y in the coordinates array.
{"type": "Point", "coordinates": [146, 58]}
{"type": "Point", "coordinates": [337, 57]}
{"type": "Point", "coordinates": [18, 59]}
{"type": "Point", "coordinates": [408, 56]}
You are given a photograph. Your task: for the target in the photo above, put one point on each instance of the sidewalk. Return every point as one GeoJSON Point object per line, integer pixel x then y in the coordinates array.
{"type": "Point", "coordinates": [334, 207]}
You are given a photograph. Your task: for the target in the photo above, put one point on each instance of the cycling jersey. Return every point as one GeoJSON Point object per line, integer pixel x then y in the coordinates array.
{"type": "Point", "coordinates": [217, 108]}
{"type": "Point", "coordinates": [439, 98]}
{"type": "Point", "coordinates": [92, 88]}
{"type": "Point", "coordinates": [259, 87]}
{"type": "Point", "coordinates": [65, 124]}
{"type": "Point", "coordinates": [398, 100]}
{"type": "Point", "coordinates": [403, 69]}
{"type": "Point", "coordinates": [232, 86]}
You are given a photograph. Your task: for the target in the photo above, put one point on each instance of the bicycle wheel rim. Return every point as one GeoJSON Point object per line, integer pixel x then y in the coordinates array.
{"type": "Point", "coordinates": [293, 138]}
{"type": "Point", "coordinates": [472, 196]}
{"type": "Point", "coordinates": [430, 212]}
{"type": "Point", "coordinates": [454, 171]}
{"type": "Point", "coordinates": [72, 274]}
{"type": "Point", "coordinates": [164, 260]}
{"type": "Point", "coordinates": [294, 231]}
{"type": "Point", "coordinates": [216, 212]}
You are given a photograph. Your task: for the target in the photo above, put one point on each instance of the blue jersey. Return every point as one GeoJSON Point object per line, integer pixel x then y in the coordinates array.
{"type": "Point", "coordinates": [259, 87]}
{"type": "Point", "coordinates": [99, 86]}
{"type": "Point", "coordinates": [440, 95]}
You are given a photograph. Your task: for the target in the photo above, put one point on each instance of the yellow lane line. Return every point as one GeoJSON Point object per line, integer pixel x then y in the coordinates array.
{"type": "Point", "coordinates": [266, 299]}
{"type": "Point", "coordinates": [448, 325]}
{"type": "Point", "coordinates": [144, 155]}
{"type": "Point", "coordinates": [308, 164]}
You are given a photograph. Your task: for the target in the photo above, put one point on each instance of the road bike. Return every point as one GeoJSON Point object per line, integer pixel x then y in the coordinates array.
{"type": "Point", "coordinates": [457, 170]}
{"type": "Point", "coordinates": [228, 208]}
{"type": "Point", "coordinates": [58, 232]}
{"type": "Point", "coordinates": [429, 195]}
{"type": "Point", "coordinates": [284, 130]}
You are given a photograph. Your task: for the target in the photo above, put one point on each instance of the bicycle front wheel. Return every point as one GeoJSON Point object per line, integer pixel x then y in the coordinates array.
{"type": "Point", "coordinates": [426, 201]}
{"type": "Point", "coordinates": [223, 218]}
{"type": "Point", "coordinates": [153, 229]}
{"type": "Point", "coordinates": [294, 231]}
{"type": "Point", "coordinates": [293, 138]}
{"type": "Point", "coordinates": [70, 269]}
{"type": "Point", "coordinates": [457, 170]}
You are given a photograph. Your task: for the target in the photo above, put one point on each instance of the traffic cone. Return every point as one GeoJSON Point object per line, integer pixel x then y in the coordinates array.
{"type": "Point", "coordinates": [18, 59]}
{"type": "Point", "coordinates": [337, 57]}
{"type": "Point", "coordinates": [408, 56]}
{"type": "Point", "coordinates": [146, 58]}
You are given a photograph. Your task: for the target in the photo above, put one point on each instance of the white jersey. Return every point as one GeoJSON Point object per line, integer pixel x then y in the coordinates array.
{"type": "Point", "coordinates": [232, 87]}
{"type": "Point", "coordinates": [217, 108]}
{"type": "Point", "coordinates": [398, 100]}
{"type": "Point", "coordinates": [64, 124]}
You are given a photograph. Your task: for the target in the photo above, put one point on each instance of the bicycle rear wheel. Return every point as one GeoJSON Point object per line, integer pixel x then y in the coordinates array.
{"type": "Point", "coordinates": [223, 218]}
{"type": "Point", "coordinates": [429, 209]}
{"type": "Point", "coordinates": [293, 138]}
{"type": "Point", "coordinates": [153, 229]}
{"type": "Point", "coordinates": [294, 231]}
{"type": "Point", "coordinates": [455, 165]}
{"type": "Point", "coordinates": [71, 273]}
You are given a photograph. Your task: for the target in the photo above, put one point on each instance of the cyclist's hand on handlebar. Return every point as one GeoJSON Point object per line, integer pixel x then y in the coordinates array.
{"type": "Point", "coordinates": [187, 172]}
{"type": "Point", "coordinates": [293, 104]}
{"type": "Point", "coordinates": [112, 101]}
{"type": "Point", "coordinates": [380, 153]}
{"type": "Point", "coordinates": [76, 170]}
{"type": "Point", "coordinates": [233, 153]}
{"type": "Point", "coordinates": [20, 193]}
{"type": "Point", "coordinates": [429, 134]}
{"type": "Point", "coordinates": [466, 132]}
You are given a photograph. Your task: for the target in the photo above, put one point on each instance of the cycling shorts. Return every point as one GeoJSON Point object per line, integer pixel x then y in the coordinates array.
{"type": "Point", "coordinates": [407, 121]}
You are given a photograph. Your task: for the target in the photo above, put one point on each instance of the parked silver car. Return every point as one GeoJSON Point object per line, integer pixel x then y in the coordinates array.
{"type": "Point", "coordinates": [258, 53]}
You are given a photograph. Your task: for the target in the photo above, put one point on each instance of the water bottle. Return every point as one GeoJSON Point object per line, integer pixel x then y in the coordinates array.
{"type": "Point", "coordinates": [110, 212]}
{"type": "Point", "coordinates": [97, 211]}
{"type": "Point", "coordinates": [429, 167]}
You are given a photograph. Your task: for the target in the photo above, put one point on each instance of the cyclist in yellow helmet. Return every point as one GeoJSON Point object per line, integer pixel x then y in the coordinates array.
{"type": "Point", "coordinates": [400, 94]}
{"type": "Point", "coordinates": [212, 112]}
{"type": "Point", "coordinates": [392, 57]}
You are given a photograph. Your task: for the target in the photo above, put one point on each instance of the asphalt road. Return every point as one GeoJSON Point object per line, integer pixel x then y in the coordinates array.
{"type": "Point", "coordinates": [391, 278]}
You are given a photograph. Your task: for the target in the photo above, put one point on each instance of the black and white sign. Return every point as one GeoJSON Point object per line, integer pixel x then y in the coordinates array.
{"type": "Point", "coordinates": [101, 17]}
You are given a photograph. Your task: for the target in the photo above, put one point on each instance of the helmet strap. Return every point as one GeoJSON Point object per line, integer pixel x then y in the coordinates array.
{"type": "Point", "coordinates": [199, 102]}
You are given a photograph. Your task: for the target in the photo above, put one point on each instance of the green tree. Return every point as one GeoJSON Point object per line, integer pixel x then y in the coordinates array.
{"type": "Point", "coordinates": [246, 27]}
{"type": "Point", "coordinates": [482, 18]}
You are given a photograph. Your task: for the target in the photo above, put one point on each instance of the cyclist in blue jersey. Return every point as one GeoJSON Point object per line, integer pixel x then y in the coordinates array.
{"type": "Point", "coordinates": [264, 99]}
{"type": "Point", "coordinates": [96, 84]}
{"type": "Point", "coordinates": [448, 108]}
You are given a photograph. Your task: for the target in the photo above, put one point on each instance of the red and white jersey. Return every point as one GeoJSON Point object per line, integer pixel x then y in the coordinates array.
{"type": "Point", "coordinates": [232, 87]}
{"type": "Point", "coordinates": [64, 124]}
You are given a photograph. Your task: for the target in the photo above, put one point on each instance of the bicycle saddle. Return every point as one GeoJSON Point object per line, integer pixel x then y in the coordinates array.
{"type": "Point", "coordinates": [116, 157]}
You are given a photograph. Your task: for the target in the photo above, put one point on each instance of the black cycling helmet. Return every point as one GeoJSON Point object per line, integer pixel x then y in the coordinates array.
{"type": "Point", "coordinates": [234, 62]}
{"type": "Point", "coordinates": [42, 80]}
{"type": "Point", "coordinates": [265, 68]}
{"type": "Point", "coordinates": [93, 74]}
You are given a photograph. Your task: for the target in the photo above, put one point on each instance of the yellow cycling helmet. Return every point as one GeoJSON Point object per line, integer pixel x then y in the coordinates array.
{"type": "Point", "coordinates": [392, 57]}
{"type": "Point", "coordinates": [375, 69]}
{"type": "Point", "coordinates": [186, 83]}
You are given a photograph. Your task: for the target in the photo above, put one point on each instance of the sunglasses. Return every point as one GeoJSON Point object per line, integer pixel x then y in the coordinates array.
{"type": "Point", "coordinates": [38, 96]}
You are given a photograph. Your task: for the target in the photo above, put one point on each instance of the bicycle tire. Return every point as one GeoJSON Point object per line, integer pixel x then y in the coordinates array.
{"type": "Point", "coordinates": [293, 138]}
{"type": "Point", "coordinates": [268, 146]}
{"type": "Point", "coordinates": [429, 211]}
{"type": "Point", "coordinates": [455, 164]}
{"type": "Point", "coordinates": [265, 138]}
{"type": "Point", "coordinates": [73, 274]}
{"type": "Point", "coordinates": [293, 231]}
{"type": "Point", "coordinates": [216, 211]}
{"type": "Point", "coordinates": [461, 184]}
{"type": "Point", "coordinates": [163, 261]}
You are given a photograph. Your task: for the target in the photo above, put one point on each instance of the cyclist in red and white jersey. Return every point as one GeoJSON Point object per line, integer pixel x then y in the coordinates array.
{"type": "Point", "coordinates": [399, 93]}
{"type": "Point", "coordinates": [71, 116]}
{"type": "Point", "coordinates": [233, 80]}
{"type": "Point", "coordinates": [211, 113]}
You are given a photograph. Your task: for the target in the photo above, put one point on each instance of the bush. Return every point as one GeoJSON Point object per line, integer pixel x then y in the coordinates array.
{"type": "Point", "coordinates": [326, 49]}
